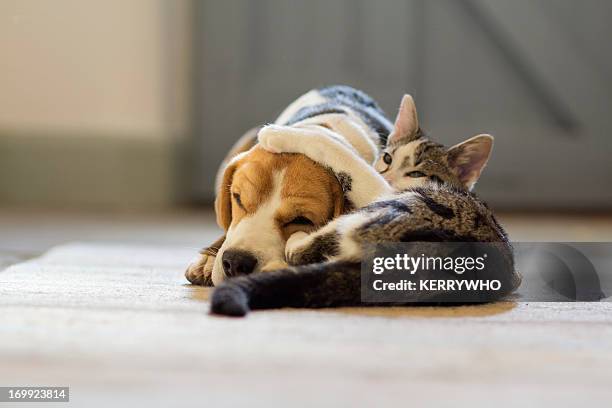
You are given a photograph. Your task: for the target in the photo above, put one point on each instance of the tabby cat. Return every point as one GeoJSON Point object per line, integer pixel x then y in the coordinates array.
{"type": "Point", "coordinates": [428, 199]}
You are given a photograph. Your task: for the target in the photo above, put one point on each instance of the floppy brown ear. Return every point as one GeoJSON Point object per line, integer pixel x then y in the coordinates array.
{"type": "Point", "coordinates": [223, 202]}
{"type": "Point", "coordinates": [406, 122]}
{"type": "Point", "coordinates": [468, 159]}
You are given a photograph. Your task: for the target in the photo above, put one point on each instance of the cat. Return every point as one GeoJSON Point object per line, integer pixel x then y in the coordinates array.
{"type": "Point", "coordinates": [411, 159]}
{"type": "Point", "coordinates": [426, 198]}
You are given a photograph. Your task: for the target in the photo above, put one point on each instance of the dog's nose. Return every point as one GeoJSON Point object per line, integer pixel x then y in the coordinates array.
{"type": "Point", "coordinates": [238, 262]}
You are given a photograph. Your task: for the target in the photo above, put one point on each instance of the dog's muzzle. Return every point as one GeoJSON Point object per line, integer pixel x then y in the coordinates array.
{"type": "Point", "coordinates": [237, 262]}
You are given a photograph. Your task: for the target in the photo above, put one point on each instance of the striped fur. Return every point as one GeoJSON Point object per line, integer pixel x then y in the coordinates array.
{"type": "Point", "coordinates": [411, 159]}
{"type": "Point", "coordinates": [429, 214]}
{"type": "Point", "coordinates": [325, 267]}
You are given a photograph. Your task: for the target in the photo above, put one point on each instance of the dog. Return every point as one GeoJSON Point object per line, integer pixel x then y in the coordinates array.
{"type": "Point", "coordinates": [264, 198]}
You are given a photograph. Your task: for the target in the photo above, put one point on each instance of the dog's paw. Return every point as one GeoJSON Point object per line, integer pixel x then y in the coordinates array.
{"type": "Point", "coordinates": [199, 272]}
{"type": "Point", "coordinates": [229, 300]}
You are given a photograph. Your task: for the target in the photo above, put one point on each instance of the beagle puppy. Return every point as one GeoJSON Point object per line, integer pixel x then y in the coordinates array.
{"type": "Point", "coordinates": [264, 198]}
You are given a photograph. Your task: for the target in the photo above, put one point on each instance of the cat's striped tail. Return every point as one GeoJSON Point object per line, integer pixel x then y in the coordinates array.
{"type": "Point", "coordinates": [337, 283]}
{"type": "Point", "coordinates": [325, 284]}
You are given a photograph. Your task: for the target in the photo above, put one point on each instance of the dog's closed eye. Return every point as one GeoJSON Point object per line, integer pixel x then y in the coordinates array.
{"type": "Point", "coordinates": [300, 220]}
{"type": "Point", "coordinates": [237, 199]}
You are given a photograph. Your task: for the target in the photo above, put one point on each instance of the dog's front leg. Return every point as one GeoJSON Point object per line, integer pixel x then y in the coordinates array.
{"type": "Point", "coordinates": [199, 272]}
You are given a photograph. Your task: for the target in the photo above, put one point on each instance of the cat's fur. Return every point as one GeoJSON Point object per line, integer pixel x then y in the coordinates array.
{"type": "Point", "coordinates": [411, 159]}
{"type": "Point", "coordinates": [434, 205]}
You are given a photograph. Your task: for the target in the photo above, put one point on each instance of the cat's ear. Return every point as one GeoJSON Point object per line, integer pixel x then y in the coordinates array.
{"type": "Point", "coordinates": [406, 122]}
{"type": "Point", "coordinates": [468, 159]}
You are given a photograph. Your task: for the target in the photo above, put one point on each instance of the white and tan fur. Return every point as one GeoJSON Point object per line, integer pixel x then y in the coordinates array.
{"type": "Point", "coordinates": [437, 206]}
{"type": "Point", "coordinates": [258, 232]}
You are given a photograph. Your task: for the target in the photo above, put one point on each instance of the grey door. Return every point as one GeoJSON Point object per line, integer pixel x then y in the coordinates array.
{"type": "Point", "coordinates": [536, 74]}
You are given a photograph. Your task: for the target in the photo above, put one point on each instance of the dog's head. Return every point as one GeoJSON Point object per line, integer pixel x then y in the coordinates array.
{"type": "Point", "coordinates": [263, 199]}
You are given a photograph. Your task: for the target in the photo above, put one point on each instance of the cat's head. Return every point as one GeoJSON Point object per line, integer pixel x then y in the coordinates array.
{"type": "Point", "coordinates": [412, 160]}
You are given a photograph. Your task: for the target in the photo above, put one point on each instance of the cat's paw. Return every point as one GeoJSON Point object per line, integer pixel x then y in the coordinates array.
{"type": "Point", "coordinates": [199, 271]}
{"type": "Point", "coordinates": [274, 139]}
{"type": "Point", "coordinates": [295, 241]}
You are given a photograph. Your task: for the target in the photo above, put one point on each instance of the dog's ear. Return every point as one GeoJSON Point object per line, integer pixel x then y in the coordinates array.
{"type": "Point", "coordinates": [406, 122]}
{"type": "Point", "coordinates": [468, 159]}
{"type": "Point", "coordinates": [223, 202]}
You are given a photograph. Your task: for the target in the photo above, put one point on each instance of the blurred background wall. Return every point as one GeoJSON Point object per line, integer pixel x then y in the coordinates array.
{"type": "Point", "coordinates": [94, 101]}
{"type": "Point", "coordinates": [133, 104]}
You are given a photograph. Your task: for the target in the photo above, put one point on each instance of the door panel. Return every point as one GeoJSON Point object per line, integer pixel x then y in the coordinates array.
{"type": "Point", "coordinates": [515, 69]}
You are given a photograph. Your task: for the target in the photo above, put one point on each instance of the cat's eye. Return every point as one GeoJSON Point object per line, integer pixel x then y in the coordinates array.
{"type": "Point", "coordinates": [387, 158]}
{"type": "Point", "coordinates": [415, 174]}
{"type": "Point", "coordinates": [300, 221]}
